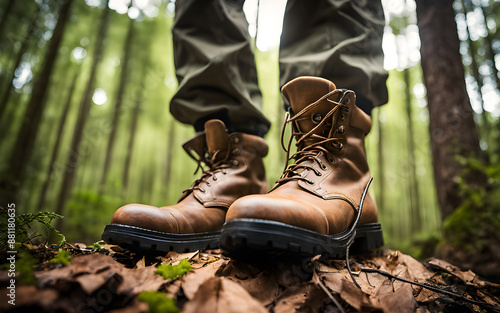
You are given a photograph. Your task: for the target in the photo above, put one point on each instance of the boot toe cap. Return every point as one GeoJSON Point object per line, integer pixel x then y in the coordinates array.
{"type": "Point", "coordinates": [147, 217]}
{"type": "Point", "coordinates": [280, 209]}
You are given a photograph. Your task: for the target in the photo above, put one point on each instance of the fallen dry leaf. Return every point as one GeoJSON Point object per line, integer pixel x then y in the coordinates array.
{"type": "Point", "coordinates": [221, 295]}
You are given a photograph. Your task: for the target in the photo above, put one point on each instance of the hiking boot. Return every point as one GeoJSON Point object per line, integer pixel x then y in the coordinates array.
{"type": "Point", "coordinates": [235, 169]}
{"type": "Point", "coordinates": [320, 203]}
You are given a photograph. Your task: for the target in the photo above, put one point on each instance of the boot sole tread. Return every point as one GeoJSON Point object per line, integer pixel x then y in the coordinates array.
{"type": "Point", "coordinates": [243, 237]}
{"type": "Point", "coordinates": [155, 242]}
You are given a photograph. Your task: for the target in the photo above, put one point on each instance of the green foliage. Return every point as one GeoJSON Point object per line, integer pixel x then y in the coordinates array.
{"type": "Point", "coordinates": [158, 302]}
{"type": "Point", "coordinates": [63, 257]}
{"type": "Point", "coordinates": [475, 225]}
{"type": "Point", "coordinates": [96, 246]}
{"type": "Point", "coordinates": [89, 212]}
{"type": "Point", "coordinates": [169, 271]}
{"type": "Point", "coordinates": [23, 222]}
{"type": "Point", "coordinates": [24, 268]}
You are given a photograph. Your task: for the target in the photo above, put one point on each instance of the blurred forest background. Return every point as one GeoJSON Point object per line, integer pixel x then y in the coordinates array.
{"type": "Point", "coordinates": [98, 77]}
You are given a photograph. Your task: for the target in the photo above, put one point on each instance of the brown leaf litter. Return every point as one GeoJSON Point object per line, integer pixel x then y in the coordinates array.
{"type": "Point", "coordinates": [96, 282]}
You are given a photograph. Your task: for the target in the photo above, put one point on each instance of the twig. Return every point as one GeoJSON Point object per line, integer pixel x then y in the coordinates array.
{"type": "Point", "coordinates": [436, 289]}
{"type": "Point", "coordinates": [319, 282]}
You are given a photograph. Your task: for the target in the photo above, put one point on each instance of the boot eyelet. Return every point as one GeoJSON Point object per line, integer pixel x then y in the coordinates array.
{"type": "Point", "coordinates": [316, 118]}
{"type": "Point", "coordinates": [323, 167]}
{"type": "Point", "coordinates": [318, 174]}
{"type": "Point", "coordinates": [236, 140]}
{"type": "Point", "coordinates": [208, 184]}
{"type": "Point", "coordinates": [224, 173]}
{"type": "Point", "coordinates": [236, 151]}
{"type": "Point", "coordinates": [348, 100]}
{"type": "Point", "coordinates": [214, 178]}
{"type": "Point", "coordinates": [203, 190]}
{"type": "Point", "coordinates": [341, 129]}
{"type": "Point", "coordinates": [235, 162]}
{"type": "Point", "coordinates": [309, 182]}
{"type": "Point", "coordinates": [342, 117]}
{"type": "Point", "coordinates": [340, 146]}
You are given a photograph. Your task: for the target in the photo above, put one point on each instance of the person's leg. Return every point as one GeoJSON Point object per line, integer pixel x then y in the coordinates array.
{"type": "Point", "coordinates": [320, 204]}
{"type": "Point", "coordinates": [340, 40]}
{"type": "Point", "coordinates": [215, 67]}
{"type": "Point", "coordinates": [219, 95]}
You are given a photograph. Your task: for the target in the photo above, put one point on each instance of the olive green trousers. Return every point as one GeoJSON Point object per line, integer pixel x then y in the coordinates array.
{"type": "Point", "coordinates": [340, 40]}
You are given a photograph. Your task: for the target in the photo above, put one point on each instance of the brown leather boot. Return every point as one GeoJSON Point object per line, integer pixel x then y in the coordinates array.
{"type": "Point", "coordinates": [235, 169]}
{"type": "Point", "coordinates": [313, 206]}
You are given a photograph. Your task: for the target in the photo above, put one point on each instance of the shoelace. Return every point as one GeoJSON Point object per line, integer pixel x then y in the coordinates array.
{"type": "Point", "coordinates": [213, 168]}
{"type": "Point", "coordinates": [310, 152]}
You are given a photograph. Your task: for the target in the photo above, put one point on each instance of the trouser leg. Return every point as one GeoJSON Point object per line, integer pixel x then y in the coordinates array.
{"type": "Point", "coordinates": [215, 67]}
{"type": "Point", "coordinates": [340, 40]}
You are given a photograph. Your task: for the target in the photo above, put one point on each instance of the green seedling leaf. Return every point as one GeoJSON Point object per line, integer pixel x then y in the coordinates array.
{"type": "Point", "coordinates": [169, 271]}
{"type": "Point", "coordinates": [96, 247]}
{"type": "Point", "coordinates": [158, 302]}
{"type": "Point", "coordinates": [23, 268]}
{"type": "Point", "coordinates": [63, 257]}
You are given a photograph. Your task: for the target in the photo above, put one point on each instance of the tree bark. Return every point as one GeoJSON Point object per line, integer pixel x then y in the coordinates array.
{"type": "Point", "coordinates": [451, 124]}
{"type": "Point", "coordinates": [413, 181]}
{"type": "Point", "coordinates": [131, 140]}
{"type": "Point", "coordinates": [85, 105]}
{"type": "Point", "coordinates": [11, 182]}
{"type": "Point", "coordinates": [55, 149]}
{"type": "Point", "coordinates": [17, 62]}
{"type": "Point", "coordinates": [5, 14]}
{"type": "Point", "coordinates": [118, 104]}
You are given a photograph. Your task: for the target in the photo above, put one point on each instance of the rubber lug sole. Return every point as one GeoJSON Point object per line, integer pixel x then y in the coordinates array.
{"type": "Point", "coordinates": [241, 237]}
{"type": "Point", "coordinates": [155, 242]}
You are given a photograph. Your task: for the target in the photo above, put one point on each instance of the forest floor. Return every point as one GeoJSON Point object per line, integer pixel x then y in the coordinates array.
{"type": "Point", "coordinates": [114, 280]}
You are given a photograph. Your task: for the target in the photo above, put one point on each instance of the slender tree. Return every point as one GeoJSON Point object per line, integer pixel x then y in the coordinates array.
{"type": "Point", "coordinates": [131, 141]}
{"type": "Point", "coordinates": [85, 105]}
{"type": "Point", "coordinates": [5, 14]}
{"type": "Point", "coordinates": [489, 45]}
{"type": "Point", "coordinates": [55, 149]}
{"type": "Point", "coordinates": [170, 157]}
{"type": "Point", "coordinates": [118, 103]}
{"type": "Point", "coordinates": [413, 182]}
{"type": "Point", "coordinates": [451, 124]}
{"type": "Point", "coordinates": [473, 66]}
{"type": "Point", "coordinates": [11, 182]}
{"type": "Point", "coordinates": [20, 53]}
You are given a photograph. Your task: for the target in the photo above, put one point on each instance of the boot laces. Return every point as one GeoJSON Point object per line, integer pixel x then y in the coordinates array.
{"type": "Point", "coordinates": [311, 151]}
{"type": "Point", "coordinates": [214, 166]}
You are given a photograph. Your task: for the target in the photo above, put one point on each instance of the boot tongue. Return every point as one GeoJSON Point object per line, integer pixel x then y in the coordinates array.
{"type": "Point", "coordinates": [217, 138]}
{"type": "Point", "coordinates": [303, 91]}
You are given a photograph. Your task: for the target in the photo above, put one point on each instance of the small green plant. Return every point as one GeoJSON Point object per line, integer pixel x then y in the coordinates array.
{"type": "Point", "coordinates": [158, 302]}
{"type": "Point", "coordinates": [23, 222]}
{"type": "Point", "coordinates": [23, 268]}
{"type": "Point", "coordinates": [169, 271]}
{"type": "Point", "coordinates": [63, 257]}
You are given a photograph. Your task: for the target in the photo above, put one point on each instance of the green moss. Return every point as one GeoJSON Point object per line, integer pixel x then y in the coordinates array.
{"type": "Point", "coordinates": [63, 257]}
{"type": "Point", "coordinates": [158, 302]}
{"type": "Point", "coordinates": [169, 271]}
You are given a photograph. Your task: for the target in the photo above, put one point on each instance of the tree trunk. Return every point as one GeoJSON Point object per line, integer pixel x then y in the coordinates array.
{"type": "Point", "coordinates": [413, 182]}
{"type": "Point", "coordinates": [118, 104]}
{"type": "Point", "coordinates": [23, 148]}
{"type": "Point", "coordinates": [55, 150]}
{"type": "Point", "coordinates": [85, 105]}
{"type": "Point", "coordinates": [489, 47]}
{"type": "Point", "coordinates": [474, 67]}
{"type": "Point", "coordinates": [5, 14]}
{"type": "Point", "coordinates": [169, 158]}
{"type": "Point", "coordinates": [131, 141]}
{"type": "Point", "coordinates": [451, 124]}
{"type": "Point", "coordinates": [380, 162]}
{"type": "Point", "coordinates": [17, 62]}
